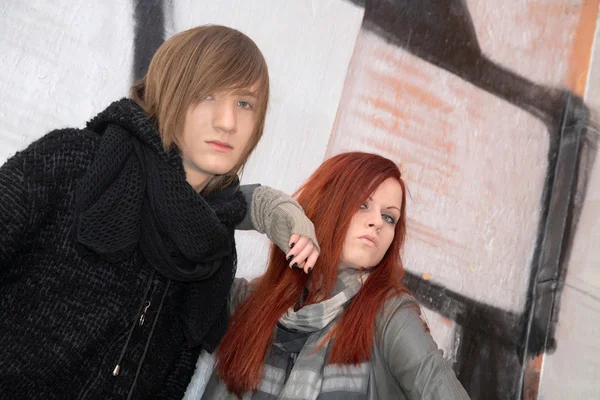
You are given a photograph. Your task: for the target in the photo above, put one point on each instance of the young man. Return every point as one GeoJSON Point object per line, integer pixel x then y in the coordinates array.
{"type": "Point", "coordinates": [116, 241]}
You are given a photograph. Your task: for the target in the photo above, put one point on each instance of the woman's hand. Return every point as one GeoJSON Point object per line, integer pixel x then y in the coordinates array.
{"type": "Point", "coordinates": [303, 253]}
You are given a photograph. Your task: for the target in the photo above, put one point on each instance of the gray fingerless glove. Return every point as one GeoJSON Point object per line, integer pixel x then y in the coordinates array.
{"type": "Point", "coordinates": [279, 216]}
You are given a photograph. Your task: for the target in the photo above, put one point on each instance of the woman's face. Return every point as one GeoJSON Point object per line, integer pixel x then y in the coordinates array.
{"type": "Point", "coordinates": [372, 228]}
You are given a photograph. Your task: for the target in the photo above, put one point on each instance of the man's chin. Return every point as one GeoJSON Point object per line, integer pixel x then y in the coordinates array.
{"type": "Point", "coordinates": [215, 169]}
{"type": "Point", "coordinates": [218, 172]}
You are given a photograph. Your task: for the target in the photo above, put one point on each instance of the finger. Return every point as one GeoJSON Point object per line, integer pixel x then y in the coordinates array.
{"type": "Point", "coordinates": [311, 261]}
{"type": "Point", "coordinates": [307, 267]}
{"type": "Point", "coordinates": [299, 245]}
{"type": "Point", "coordinates": [301, 257]}
{"type": "Point", "coordinates": [293, 239]}
{"type": "Point", "coordinates": [301, 265]}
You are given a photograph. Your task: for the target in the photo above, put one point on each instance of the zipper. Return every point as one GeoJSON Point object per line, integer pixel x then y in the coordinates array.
{"type": "Point", "coordinates": [143, 315]}
{"type": "Point", "coordinates": [138, 321]}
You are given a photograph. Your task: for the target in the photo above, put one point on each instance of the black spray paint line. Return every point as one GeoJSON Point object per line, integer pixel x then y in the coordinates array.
{"type": "Point", "coordinates": [442, 32]}
{"type": "Point", "coordinates": [149, 33]}
{"type": "Point", "coordinates": [548, 275]}
{"type": "Point", "coordinates": [488, 335]}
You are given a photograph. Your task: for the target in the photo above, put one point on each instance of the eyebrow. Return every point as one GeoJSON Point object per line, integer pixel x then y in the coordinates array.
{"type": "Point", "coordinates": [387, 208]}
{"type": "Point", "coordinates": [245, 92]}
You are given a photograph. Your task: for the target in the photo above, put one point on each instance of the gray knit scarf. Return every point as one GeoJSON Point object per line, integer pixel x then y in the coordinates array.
{"type": "Point", "coordinates": [294, 368]}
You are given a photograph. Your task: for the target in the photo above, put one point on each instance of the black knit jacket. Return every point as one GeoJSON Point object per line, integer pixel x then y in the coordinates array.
{"type": "Point", "coordinates": [67, 319]}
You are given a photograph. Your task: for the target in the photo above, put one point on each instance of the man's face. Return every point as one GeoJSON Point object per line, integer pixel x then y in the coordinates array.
{"type": "Point", "coordinates": [216, 132]}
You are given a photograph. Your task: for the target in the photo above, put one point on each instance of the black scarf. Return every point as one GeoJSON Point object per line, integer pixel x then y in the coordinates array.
{"type": "Point", "coordinates": [134, 195]}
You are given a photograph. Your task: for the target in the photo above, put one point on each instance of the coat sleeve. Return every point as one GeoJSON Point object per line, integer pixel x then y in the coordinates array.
{"type": "Point", "coordinates": [31, 180]}
{"type": "Point", "coordinates": [14, 208]}
{"type": "Point", "coordinates": [275, 214]}
{"type": "Point", "coordinates": [413, 357]}
{"type": "Point", "coordinates": [248, 192]}
{"type": "Point", "coordinates": [240, 290]}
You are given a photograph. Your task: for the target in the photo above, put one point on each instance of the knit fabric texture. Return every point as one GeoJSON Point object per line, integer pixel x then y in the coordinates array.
{"type": "Point", "coordinates": [279, 216]}
{"type": "Point", "coordinates": [134, 186]}
{"type": "Point", "coordinates": [108, 257]}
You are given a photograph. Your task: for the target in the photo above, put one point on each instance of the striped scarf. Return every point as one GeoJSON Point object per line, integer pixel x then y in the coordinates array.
{"type": "Point", "coordinates": [294, 368]}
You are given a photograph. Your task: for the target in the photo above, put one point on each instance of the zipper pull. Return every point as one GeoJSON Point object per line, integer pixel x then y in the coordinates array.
{"type": "Point", "coordinates": [117, 370]}
{"type": "Point", "coordinates": [143, 316]}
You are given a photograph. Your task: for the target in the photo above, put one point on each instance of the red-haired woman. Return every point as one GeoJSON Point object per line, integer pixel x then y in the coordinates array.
{"type": "Point", "coordinates": [349, 330]}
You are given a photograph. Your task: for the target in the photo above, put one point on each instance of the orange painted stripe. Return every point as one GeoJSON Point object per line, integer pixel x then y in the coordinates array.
{"type": "Point", "coordinates": [581, 52]}
{"type": "Point", "coordinates": [433, 154]}
{"type": "Point", "coordinates": [403, 65]}
{"type": "Point", "coordinates": [438, 150]}
{"type": "Point", "coordinates": [533, 373]}
{"type": "Point", "coordinates": [402, 87]}
{"type": "Point", "coordinates": [417, 227]}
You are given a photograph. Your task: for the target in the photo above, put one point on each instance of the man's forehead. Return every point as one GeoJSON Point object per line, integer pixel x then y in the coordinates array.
{"type": "Point", "coordinates": [245, 91]}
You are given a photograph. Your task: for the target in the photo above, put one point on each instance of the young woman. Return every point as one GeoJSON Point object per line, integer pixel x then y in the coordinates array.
{"type": "Point", "coordinates": [349, 330]}
{"type": "Point", "coordinates": [117, 252]}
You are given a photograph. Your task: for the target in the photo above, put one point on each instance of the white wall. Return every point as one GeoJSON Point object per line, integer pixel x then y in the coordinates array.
{"type": "Point", "coordinates": [62, 62]}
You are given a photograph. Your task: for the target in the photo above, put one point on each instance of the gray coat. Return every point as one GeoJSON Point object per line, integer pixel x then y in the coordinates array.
{"type": "Point", "coordinates": [406, 362]}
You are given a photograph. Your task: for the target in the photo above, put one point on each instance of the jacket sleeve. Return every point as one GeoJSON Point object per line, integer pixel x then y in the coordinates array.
{"type": "Point", "coordinates": [247, 191]}
{"type": "Point", "coordinates": [14, 208]}
{"type": "Point", "coordinates": [275, 214]}
{"type": "Point", "coordinates": [178, 379]}
{"type": "Point", "coordinates": [412, 356]}
{"type": "Point", "coordinates": [240, 290]}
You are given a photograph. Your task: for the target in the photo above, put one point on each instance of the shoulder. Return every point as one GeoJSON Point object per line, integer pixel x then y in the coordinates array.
{"type": "Point", "coordinates": [400, 327]}
{"type": "Point", "coordinates": [398, 309]}
{"type": "Point", "coordinates": [60, 153]}
{"type": "Point", "coordinates": [64, 140]}
{"type": "Point", "coordinates": [52, 163]}
{"type": "Point", "coordinates": [405, 349]}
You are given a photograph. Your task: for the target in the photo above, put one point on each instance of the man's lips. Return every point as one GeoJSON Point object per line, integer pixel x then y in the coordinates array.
{"type": "Point", "coordinates": [220, 146]}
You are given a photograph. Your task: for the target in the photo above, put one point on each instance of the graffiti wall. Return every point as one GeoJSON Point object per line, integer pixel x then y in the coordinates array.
{"type": "Point", "coordinates": [480, 102]}
{"type": "Point", "coordinates": [465, 95]}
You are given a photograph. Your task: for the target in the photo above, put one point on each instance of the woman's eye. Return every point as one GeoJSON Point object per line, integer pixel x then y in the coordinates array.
{"type": "Point", "coordinates": [388, 218]}
{"type": "Point", "coordinates": [363, 206]}
{"type": "Point", "coordinates": [209, 97]}
{"type": "Point", "coordinates": [244, 104]}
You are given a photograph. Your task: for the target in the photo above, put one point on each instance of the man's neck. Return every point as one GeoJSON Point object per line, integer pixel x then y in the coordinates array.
{"type": "Point", "coordinates": [197, 178]}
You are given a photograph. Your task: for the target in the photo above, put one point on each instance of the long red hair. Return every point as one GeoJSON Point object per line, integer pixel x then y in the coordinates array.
{"type": "Point", "coordinates": [330, 198]}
